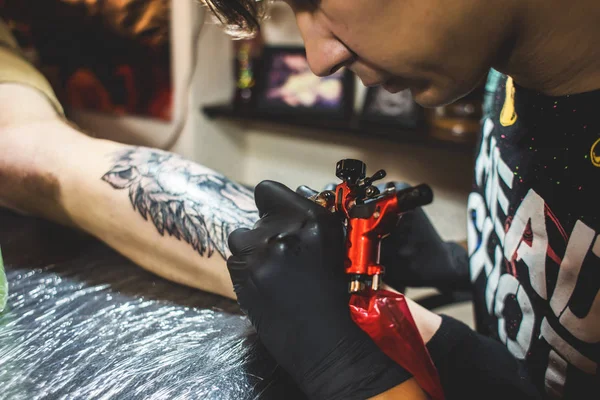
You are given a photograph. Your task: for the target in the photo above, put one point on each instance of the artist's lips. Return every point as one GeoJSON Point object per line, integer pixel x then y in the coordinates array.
{"type": "Point", "coordinates": [394, 85]}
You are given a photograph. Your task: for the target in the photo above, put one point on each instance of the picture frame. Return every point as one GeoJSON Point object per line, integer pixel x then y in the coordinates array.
{"type": "Point", "coordinates": [287, 87]}
{"type": "Point", "coordinates": [392, 109]}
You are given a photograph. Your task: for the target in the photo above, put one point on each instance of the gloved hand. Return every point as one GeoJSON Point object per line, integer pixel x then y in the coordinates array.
{"type": "Point", "coordinates": [415, 255]}
{"type": "Point", "coordinates": [288, 276]}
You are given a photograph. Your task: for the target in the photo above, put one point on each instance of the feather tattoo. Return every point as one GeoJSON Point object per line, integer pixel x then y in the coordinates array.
{"type": "Point", "coordinates": [183, 199]}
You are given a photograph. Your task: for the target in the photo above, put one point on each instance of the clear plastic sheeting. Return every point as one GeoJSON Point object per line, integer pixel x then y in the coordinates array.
{"type": "Point", "coordinates": [99, 327]}
{"type": "Point", "coordinates": [3, 284]}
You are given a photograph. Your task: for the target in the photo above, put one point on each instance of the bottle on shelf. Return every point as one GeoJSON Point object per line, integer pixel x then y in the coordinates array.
{"type": "Point", "coordinates": [248, 54]}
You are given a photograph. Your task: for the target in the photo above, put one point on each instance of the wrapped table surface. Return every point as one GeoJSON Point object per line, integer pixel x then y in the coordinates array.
{"type": "Point", "coordinates": [91, 325]}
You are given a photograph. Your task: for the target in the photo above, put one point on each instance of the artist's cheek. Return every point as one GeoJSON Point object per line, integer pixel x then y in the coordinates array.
{"type": "Point", "coordinates": [348, 20]}
{"type": "Point", "coordinates": [371, 39]}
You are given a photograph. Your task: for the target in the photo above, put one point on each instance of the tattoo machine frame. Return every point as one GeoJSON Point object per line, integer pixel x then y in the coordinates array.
{"type": "Point", "coordinates": [370, 215]}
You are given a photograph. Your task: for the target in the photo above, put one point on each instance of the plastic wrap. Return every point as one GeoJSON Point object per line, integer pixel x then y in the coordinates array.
{"type": "Point", "coordinates": [98, 327]}
{"type": "Point", "coordinates": [385, 316]}
{"type": "Point", "coordinates": [3, 285]}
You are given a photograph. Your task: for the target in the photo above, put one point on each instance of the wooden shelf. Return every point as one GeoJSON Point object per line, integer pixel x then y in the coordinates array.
{"type": "Point", "coordinates": [353, 126]}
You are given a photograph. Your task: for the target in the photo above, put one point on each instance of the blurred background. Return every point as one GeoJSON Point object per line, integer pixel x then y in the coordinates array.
{"type": "Point", "coordinates": [112, 56]}
{"type": "Point", "coordinates": [162, 73]}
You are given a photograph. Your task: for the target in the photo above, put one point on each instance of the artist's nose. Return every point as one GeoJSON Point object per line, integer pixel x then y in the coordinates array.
{"type": "Point", "coordinates": [326, 54]}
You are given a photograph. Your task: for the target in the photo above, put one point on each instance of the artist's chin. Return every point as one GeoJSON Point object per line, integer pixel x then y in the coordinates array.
{"type": "Point", "coordinates": [431, 97]}
{"type": "Point", "coordinates": [424, 93]}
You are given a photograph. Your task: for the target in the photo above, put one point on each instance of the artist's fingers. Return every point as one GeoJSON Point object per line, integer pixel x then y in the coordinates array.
{"type": "Point", "coordinates": [305, 191]}
{"type": "Point", "coordinates": [273, 197]}
{"type": "Point", "coordinates": [241, 241]}
{"type": "Point", "coordinates": [239, 271]}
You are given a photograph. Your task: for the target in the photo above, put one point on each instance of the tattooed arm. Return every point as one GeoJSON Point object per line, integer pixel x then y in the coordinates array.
{"type": "Point", "coordinates": [169, 215]}
{"type": "Point", "coordinates": [182, 199]}
{"type": "Point", "coordinates": [185, 202]}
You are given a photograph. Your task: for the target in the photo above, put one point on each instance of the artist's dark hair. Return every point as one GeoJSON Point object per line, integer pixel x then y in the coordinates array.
{"type": "Point", "coordinates": [241, 18]}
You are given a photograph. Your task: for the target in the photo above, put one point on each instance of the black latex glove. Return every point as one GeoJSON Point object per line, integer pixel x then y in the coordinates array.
{"type": "Point", "coordinates": [288, 275]}
{"type": "Point", "coordinates": [415, 255]}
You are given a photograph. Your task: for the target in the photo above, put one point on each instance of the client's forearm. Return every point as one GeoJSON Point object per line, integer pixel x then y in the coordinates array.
{"type": "Point", "coordinates": [168, 215]}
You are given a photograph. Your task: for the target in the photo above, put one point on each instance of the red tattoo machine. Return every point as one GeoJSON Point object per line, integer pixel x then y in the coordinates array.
{"type": "Point", "coordinates": [370, 215]}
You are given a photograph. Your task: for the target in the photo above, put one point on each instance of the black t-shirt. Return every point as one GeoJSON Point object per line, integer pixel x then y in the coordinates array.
{"type": "Point", "coordinates": [534, 233]}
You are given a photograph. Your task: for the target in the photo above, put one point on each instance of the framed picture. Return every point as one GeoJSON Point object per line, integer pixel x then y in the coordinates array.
{"type": "Point", "coordinates": [288, 86]}
{"type": "Point", "coordinates": [392, 108]}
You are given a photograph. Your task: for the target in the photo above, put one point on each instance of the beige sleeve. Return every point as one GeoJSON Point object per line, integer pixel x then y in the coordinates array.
{"type": "Point", "coordinates": [14, 68]}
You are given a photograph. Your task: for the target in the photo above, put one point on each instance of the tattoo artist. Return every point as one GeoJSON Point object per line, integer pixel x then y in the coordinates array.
{"type": "Point", "coordinates": [543, 90]}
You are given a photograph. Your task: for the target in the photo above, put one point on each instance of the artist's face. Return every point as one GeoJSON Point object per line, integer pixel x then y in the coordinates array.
{"type": "Point", "coordinates": [440, 49]}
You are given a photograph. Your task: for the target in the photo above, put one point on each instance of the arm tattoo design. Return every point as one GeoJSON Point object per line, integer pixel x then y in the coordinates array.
{"type": "Point", "coordinates": [183, 199]}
